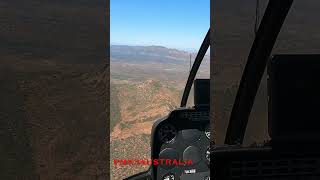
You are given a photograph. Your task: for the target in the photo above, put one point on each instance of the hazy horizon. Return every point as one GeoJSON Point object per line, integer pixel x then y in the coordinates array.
{"type": "Point", "coordinates": [175, 24]}
{"type": "Point", "coordinates": [191, 50]}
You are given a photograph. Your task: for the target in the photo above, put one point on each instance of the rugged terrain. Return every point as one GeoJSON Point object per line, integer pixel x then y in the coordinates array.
{"type": "Point", "coordinates": [140, 104]}
{"type": "Point", "coordinates": [53, 90]}
{"type": "Point", "coordinates": [53, 115]}
{"type": "Point", "coordinates": [146, 83]}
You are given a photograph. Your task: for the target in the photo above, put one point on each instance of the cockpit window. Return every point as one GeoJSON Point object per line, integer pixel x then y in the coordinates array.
{"type": "Point", "coordinates": [234, 31]}
{"type": "Point", "coordinates": [153, 44]}
{"type": "Point", "coordinates": [300, 32]}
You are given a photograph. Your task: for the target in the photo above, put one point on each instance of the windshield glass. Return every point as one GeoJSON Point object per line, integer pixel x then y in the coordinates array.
{"type": "Point", "coordinates": [234, 34]}
{"type": "Point", "coordinates": [300, 33]}
{"type": "Point", "coordinates": [153, 46]}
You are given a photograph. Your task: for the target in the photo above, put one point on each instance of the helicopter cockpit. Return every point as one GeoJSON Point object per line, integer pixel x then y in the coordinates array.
{"type": "Point", "coordinates": [293, 127]}
{"type": "Point", "coordinates": [292, 152]}
{"type": "Point", "coordinates": [180, 142]}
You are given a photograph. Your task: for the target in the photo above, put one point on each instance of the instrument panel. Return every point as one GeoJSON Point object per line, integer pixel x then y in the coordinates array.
{"type": "Point", "coordinates": [181, 142]}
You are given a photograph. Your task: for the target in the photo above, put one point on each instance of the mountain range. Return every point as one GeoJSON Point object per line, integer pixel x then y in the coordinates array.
{"type": "Point", "coordinates": [151, 54]}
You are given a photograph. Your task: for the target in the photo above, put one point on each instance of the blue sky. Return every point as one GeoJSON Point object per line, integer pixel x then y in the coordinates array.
{"type": "Point", "coordinates": [180, 24]}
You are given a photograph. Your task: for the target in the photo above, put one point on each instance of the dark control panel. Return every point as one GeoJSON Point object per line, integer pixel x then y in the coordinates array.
{"type": "Point", "coordinates": [181, 144]}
